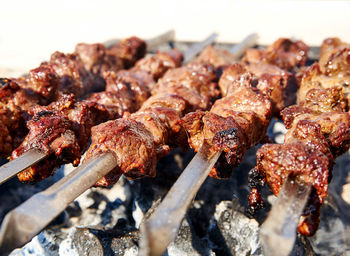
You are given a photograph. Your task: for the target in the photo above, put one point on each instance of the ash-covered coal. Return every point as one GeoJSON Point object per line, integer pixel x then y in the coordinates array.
{"type": "Point", "coordinates": [106, 221]}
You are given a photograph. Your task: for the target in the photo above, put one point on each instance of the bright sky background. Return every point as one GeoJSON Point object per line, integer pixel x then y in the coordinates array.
{"type": "Point", "coordinates": [32, 30]}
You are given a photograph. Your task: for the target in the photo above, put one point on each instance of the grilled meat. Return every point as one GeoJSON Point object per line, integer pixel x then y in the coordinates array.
{"type": "Point", "coordinates": [235, 123]}
{"type": "Point", "coordinates": [283, 53]}
{"type": "Point", "coordinates": [126, 91]}
{"type": "Point", "coordinates": [140, 139]}
{"type": "Point", "coordinates": [333, 69]}
{"type": "Point", "coordinates": [253, 91]}
{"type": "Point", "coordinates": [318, 132]}
{"type": "Point", "coordinates": [76, 73]}
{"type": "Point", "coordinates": [14, 101]}
{"type": "Point", "coordinates": [278, 68]}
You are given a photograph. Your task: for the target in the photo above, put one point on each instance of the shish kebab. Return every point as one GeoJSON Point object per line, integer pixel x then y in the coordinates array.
{"type": "Point", "coordinates": [68, 122]}
{"type": "Point", "coordinates": [25, 221]}
{"type": "Point", "coordinates": [63, 73]}
{"type": "Point", "coordinates": [236, 122]}
{"type": "Point", "coordinates": [61, 130]}
{"type": "Point", "coordinates": [299, 170]}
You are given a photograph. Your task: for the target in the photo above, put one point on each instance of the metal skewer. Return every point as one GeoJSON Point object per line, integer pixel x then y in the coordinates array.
{"type": "Point", "coordinates": [161, 228]}
{"type": "Point", "coordinates": [33, 156]}
{"type": "Point", "coordinates": [151, 43]}
{"type": "Point", "coordinates": [10, 169]}
{"type": "Point", "coordinates": [278, 232]}
{"type": "Point", "coordinates": [238, 49]}
{"type": "Point", "coordinates": [24, 222]}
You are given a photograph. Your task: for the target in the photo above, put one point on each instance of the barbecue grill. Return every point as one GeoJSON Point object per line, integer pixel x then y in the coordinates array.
{"type": "Point", "coordinates": [106, 221]}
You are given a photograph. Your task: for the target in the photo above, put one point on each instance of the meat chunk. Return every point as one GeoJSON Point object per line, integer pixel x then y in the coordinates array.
{"type": "Point", "coordinates": [53, 134]}
{"type": "Point", "coordinates": [279, 85]}
{"type": "Point", "coordinates": [318, 132]}
{"type": "Point", "coordinates": [328, 48]}
{"type": "Point", "coordinates": [14, 102]}
{"type": "Point", "coordinates": [160, 63]}
{"type": "Point", "coordinates": [235, 123]}
{"type": "Point", "coordinates": [337, 76]}
{"type": "Point", "coordinates": [128, 51]}
{"type": "Point", "coordinates": [216, 56]}
{"type": "Point", "coordinates": [140, 139]}
{"type": "Point", "coordinates": [276, 162]}
{"type": "Point", "coordinates": [283, 53]}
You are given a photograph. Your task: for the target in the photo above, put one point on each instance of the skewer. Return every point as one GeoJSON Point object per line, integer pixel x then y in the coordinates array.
{"type": "Point", "coordinates": [21, 224]}
{"type": "Point", "coordinates": [10, 169]}
{"type": "Point", "coordinates": [238, 49]}
{"type": "Point", "coordinates": [278, 232]}
{"type": "Point", "coordinates": [161, 228]}
{"type": "Point", "coordinates": [151, 43]}
{"type": "Point", "coordinates": [32, 156]}
{"type": "Point", "coordinates": [28, 219]}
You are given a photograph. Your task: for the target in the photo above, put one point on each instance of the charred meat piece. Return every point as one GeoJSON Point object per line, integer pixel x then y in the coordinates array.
{"type": "Point", "coordinates": [14, 103]}
{"type": "Point", "coordinates": [279, 69]}
{"type": "Point", "coordinates": [61, 130]}
{"type": "Point", "coordinates": [128, 51]}
{"type": "Point", "coordinates": [140, 139]}
{"type": "Point", "coordinates": [127, 90]}
{"type": "Point", "coordinates": [284, 53]}
{"type": "Point", "coordinates": [53, 134]}
{"type": "Point", "coordinates": [329, 47]}
{"type": "Point", "coordinates": [235, 123]}
{"type": "Point", "coordinates": [160, 63]}
{"type": "Point", "coordinates": [277, 84]}
{"type": "Point", "coordinates": [79, 73]}
{"type": "Point", "coordinates": [219, 58]}
{"type": "Point", "coordinates": [329, 72]}
{"type": "Point", "coordinates": [318, 132]}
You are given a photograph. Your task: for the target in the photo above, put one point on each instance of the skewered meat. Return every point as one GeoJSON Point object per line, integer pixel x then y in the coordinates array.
{"type": "Point", "coordinates": [278, 68]}
{"type": "Point", "coordinates": [235, 123]}
{"type": "Point", "coordinates": [253, 91]}
{"type": "Point", "coordinates": [313, 140]}
{"type": "Point", "coordinates": [126, 92]}
{"type": "Point", "coordinates": [140, 139]}
{"type": "Point", "coordinates": [64, 73]}
{"type": "Point", "coordinates": [219, 58]}
{"type": "Point", "coordinates": [284, 53]}
{"type": "Point", "coordinates": [318, 132]}
{"type": "Point", "coordinates": [13, 100]}
{"type": "Point", "coordinates": [332, 70]}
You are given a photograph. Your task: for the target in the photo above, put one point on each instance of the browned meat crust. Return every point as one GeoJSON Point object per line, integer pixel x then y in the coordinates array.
{"type": "Point", "coordinates": [127, 90]}
{"type": "Point", "coordinates": [279, 69]}
{"type": "Point", "coordinates": [78, 73]}
{"type": "Point", "coordinates": [140, 139]}
{"type": "Point", "coordinates": [283, 53]}
{"type": "Point", "coordinates": [235, 123]}
{"type": "Point", "coordinates": [318, 132]}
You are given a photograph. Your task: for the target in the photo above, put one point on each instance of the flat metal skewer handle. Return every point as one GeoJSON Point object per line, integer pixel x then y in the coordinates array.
{"type": "Point", "coordinates": [161, 39]}
{"type": "Point", "coordinates": [198, 47]}
{"type": "Point", "coordinates": [151, 43]}
{"type": "Point", "coordinates": [28, 219]}
{"type": "Point", "coordinates": [10, 169]}
{"type": "Point", "coordinates": [238, 50]}
{"type": "Point", "coordinates": [162, 227]}
{"type": "Point", "coordinates": [278, 232]}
